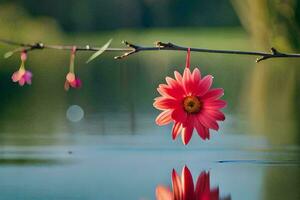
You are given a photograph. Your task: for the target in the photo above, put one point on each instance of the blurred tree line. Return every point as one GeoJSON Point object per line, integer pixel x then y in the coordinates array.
{"type": "Point", "coordinates": [271, 22]}
{"type": "Point", "coordinates": [272, 93]}
{"type": "Point", "coordinates": [95, 15]}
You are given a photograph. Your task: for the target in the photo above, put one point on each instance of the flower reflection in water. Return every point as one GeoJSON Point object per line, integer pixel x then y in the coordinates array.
{"type": "Point", "coordinates": [183, 188]}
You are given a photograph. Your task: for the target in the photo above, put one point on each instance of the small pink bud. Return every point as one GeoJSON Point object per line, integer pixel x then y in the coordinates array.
{"type": "Point", "coordinates": [73, 50]}
{"type": "Point", "coordinates": [23, 56]}
{"type": "Point", "coordinates": [22, 76]}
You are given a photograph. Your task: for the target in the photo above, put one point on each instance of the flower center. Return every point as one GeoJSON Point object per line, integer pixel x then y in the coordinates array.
{"type": "Point", "coordinates": [192, 104]}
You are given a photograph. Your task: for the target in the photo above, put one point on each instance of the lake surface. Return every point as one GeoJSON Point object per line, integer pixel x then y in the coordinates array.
{"type": "Point", "coordinates": [116, 151]}
{"type": "Point", "coordinates": [131, 166]}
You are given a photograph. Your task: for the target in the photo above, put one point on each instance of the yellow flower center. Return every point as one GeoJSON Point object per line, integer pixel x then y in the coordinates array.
{"type": "Point", "coordinates": [192, 104]}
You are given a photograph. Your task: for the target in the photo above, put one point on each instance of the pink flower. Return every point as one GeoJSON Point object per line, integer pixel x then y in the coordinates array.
{"type": "Point", "coordinates": [72, 81]}
{"type": "Point", "coordinates": [190, 103]}
{"type": "Point", "coordinates": [22, 75]}
{"type": "Point", "coordinates": [183, 188]}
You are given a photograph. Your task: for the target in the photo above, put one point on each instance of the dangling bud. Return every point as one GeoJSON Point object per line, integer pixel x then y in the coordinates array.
{"type": "Point", "coordinates": [23, 56]}
{"type": "Point", "coordinates": [71, 79]}
{"type": "Point", "coordinates": [22, 76]}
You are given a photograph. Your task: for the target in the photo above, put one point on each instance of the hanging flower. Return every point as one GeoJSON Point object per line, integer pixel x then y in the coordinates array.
{"type": "Point", "coordinates": [22, 76]}
{"type": "Point", "coordinates": [71, 79]}
{"type": "Point", "coordinates": [190, 103]}
{"type": "Point", "coordinates": [183, 188]}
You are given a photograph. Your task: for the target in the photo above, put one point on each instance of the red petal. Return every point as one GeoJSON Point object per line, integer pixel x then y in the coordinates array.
{"type": "Point", "coordinates": [178, 76]}
{"type": "Point", "coordinates": [163, 103]}
{"type": "Point", "coordinates": [177, 126]}
{"type": "Point", "coordinates": [202, 190]}
{"type": "Point", "coordinates": [196, 76]}
{"type": "Point", "coordinates": [175, 91]}
{"type": "Point", "coordinates": [159, 89]}
{"type": "Point", "coordinates": [208, 122]}
{"type": "Point", "coordinates": [179, 115]}
{"type": "Point", "coordinates": [177, 187]}
{"type": "Point", "coordinates": [213, 94]}
{"type": "Point", "coordinates": [187, 184]}
{"type": "Point", "coordinates": [202, 131]}
{"type": "Point", "coordinates": [216, 104]}
{"type": "Point", "coordinates": [187, 133]}
{"type": "Point", "coordinates": [215, 114]}
{"type": "Point", "coordinates": [171, 82]}
{"type": "Point", "coordinates": [164, 118]}
{"type": "Point", "coordinates": [204, 85]}
{"type": "Point", "coordinates": [214, 194]}
{"type": "Point", "coordinates": [187, 81]}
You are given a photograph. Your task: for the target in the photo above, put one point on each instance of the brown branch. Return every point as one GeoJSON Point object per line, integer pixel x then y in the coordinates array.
{"type": "Point", "coordinates": [133, 49]}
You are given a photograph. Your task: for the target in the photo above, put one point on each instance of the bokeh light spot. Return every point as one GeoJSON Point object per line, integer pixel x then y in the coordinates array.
{"type": "Point", "coordinates": [75, 113]}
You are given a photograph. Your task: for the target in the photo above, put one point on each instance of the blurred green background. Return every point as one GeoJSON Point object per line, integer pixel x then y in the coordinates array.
{"type": "Point", "coordinates": [117, 95]}
{"type": "Point", "coordinates": [263, 94]}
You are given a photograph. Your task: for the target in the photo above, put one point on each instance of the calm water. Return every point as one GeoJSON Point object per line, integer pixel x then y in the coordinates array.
{"type": "Point", "coordinates": [117, 152]}
{"type": "Point", "coordinates": [130, 166]}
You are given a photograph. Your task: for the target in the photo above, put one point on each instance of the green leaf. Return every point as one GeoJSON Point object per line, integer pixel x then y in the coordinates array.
{"type": "Point", "coordinates": [8, 54]}
{"type": "Point", "coordinates": [99, 52]}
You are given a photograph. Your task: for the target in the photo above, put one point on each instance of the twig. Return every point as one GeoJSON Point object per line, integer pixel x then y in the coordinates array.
{"type": "Point", "coordinates": [133, 49]}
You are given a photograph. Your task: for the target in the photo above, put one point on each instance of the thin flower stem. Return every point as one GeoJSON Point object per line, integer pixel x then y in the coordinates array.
{"type": "Point", "coordinates": [72, 59]}
{"type": "Point", "coordinates": [133, 49]}
{"type": "Point", "coordinates": [188, 58]}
